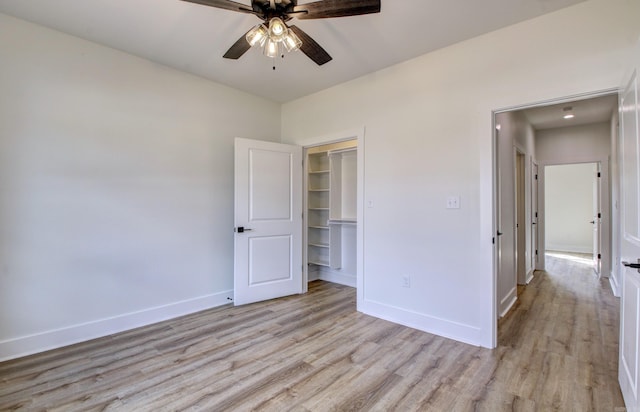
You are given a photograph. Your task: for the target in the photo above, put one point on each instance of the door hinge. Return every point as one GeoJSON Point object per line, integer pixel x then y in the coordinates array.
{"type": "Point", "coordinates": [493, 240]}
{"type": "Point", "coordinates": [599, 174]}
{"type": "Point", "coordinates": [536, 252]}
{"type": "Point", "coordinates": [599, 256]}
{"type": "Point", "coordinates": [599, 215]}
{"type": "Point", "coordinates": [536, 214]}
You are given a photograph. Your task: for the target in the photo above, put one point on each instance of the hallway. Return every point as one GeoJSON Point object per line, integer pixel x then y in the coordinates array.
{"type": "Point", "coordinates": [562, 338]}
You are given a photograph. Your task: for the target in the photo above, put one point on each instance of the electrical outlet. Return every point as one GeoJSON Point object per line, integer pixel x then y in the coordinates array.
{"type": "Point", "coordinates": [406, 281]}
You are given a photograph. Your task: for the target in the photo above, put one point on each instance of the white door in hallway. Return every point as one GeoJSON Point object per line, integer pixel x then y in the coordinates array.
{"type": "Point", "coordinates": [268, 221]}
{"type": "Point", "coordinates": [629, 355]}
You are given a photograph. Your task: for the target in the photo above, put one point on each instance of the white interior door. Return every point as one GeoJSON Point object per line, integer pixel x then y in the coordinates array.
{"type": "Point", "coordinates": [268, 221]}
{"type": "Point", "coordinates": [629, 359]}
{"type": "Point", "coordinates": [597, 221]}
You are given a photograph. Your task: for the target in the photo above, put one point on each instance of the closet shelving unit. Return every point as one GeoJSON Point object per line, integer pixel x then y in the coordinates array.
{"type": "Point", "coordinates": [318, 208]}
{"type": "Point", "coordinates": [331, 211]}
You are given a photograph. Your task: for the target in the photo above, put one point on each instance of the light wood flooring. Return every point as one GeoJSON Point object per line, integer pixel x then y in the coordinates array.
{"type": "Point", "coordinates": [557, 351]}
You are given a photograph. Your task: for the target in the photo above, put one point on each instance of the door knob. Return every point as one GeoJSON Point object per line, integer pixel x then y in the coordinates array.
{"type": "Point", "coordinates": [592, 222]}
{"type": "Point", "coordinates": [242, 229]}
{"type": "Point", "coordinates": [632, 265]}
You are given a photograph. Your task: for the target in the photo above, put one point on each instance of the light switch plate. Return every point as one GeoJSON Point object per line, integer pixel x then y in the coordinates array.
{"type": "Point", "coordinates": [453, 202]}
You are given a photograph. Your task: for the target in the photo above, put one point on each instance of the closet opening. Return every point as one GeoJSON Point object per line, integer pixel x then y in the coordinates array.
{"type": "Point", "coordinates": [331, 212]}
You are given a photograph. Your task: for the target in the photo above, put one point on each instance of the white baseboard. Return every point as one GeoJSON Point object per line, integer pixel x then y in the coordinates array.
{"type": "Point", "coordinates": [555, 247]}
{"type": "Point", "coordinates": [52, 339]}
{"type": "Point", "coordinates": [529, 276]}
{"type": "Point", "coordinates": [615, 286]}
{"type": "Point", "coordinates": [334, 277]}
{"type": "Point", "coordinates": [508, 301]}
{"type": "Point", "coordinates": [441, 327]}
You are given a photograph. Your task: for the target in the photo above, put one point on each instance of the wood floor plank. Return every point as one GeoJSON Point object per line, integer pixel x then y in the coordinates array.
{"type": "Point", "coordinates": [557, 351]}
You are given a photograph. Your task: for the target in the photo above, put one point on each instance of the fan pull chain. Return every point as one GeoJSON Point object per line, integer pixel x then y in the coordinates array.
{"type": "Point", "coordinates": [274, 61]}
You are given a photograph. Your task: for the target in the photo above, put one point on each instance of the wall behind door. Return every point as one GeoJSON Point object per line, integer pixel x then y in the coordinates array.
{"type": "Point", "coordinates": [116, 188]}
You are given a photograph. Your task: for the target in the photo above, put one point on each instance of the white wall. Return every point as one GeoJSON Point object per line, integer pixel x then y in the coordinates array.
{"type": "Point", "coordinates": [429, 136]}
{"type": "Point", "coordinates": [574, 144]}
{"type": "Point", "coordinates": [116, 188]}
{"type": "Point", "coordinates": [578, 144]}
{"type": "Point", "coordinates": [569, 207]}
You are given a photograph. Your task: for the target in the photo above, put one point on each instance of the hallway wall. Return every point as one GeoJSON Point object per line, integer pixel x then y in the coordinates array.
{"type": "Point", "coordinates": [515, 133]}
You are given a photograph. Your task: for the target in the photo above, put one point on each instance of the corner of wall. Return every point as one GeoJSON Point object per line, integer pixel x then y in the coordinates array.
{"type": "Point", "coordinates": [430, 324]}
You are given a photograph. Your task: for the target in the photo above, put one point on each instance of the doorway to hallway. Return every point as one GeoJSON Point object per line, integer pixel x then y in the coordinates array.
{"type": "Point", "coordinates": [572, 211]}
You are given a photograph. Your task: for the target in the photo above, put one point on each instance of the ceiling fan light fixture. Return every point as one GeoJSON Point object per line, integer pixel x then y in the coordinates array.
{"type": "Point", "coordinates": [271, 48]}
{"type": "Point", "coordinates": [291, 41]}
{"type": "Point", "coordinates": [277, 29]}
{"type": "Point", "coordinates": [258, 35]}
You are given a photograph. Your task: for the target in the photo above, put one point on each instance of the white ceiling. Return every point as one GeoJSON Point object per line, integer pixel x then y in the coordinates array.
{"type": "Point", "coordinates": [192, 38]}
{"type": "Point", "coordinates": [586, 111]}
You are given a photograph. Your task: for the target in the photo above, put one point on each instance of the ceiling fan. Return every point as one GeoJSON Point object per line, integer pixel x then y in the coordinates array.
{"type": "Point", "coordinates": [275, 34]}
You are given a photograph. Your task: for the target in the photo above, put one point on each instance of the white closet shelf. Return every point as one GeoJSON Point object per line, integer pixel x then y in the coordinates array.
{"type": "Point", "coordinates": [345, 221]}
{"type": "Point", "coordinates": [318, 208]}
{"type": "Point", "coordinates": [315, 172]}
{"type": "Point", "coordinates": [319, 263]}
{"type": "Point", "coordinates": [318, 190]}
{"type": "Point", "coordinates": [323, 245]}
{"type": "Point", "coordinates": [319, 227]}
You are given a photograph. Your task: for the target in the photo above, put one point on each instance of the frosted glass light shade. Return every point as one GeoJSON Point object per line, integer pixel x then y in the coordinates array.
{"type": "Point", "coordinates": [291, 41]}
{"type": "Point", "coordinates": [271, 48]}
{"type": "Point", "coordinates": [277, 29]}
{"type": "Point", "coordinates": [257, 35]}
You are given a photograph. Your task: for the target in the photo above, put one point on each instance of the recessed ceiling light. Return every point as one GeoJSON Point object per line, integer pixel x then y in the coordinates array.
{"type": "Point", "coordinates": [568, 114]}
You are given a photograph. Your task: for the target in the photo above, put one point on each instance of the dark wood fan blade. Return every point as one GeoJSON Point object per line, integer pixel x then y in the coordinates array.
{"type": "Point", "coordinates": [224, 4]}
{"type": "Point", "coordinates": [337, 8]}
{"type": "Point", "coordinates": [312, 49]}
{"type": "Point", "coordinates": [238, 49]}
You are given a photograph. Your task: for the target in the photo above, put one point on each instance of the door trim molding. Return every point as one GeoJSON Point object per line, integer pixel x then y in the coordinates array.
{"type": "Point", "coordinates": [358, 134]}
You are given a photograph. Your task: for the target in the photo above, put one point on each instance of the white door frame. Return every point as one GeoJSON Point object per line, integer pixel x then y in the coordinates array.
{"type": "Point", "coordinates": [496, 191]}
{"type": "Point", "coordinates": [535, 234]}
{"type": "Point", "coordinates": [351, 134]}
{"type": "Point", "coordinates": [605, 208]}
{"type": "Point", "coordinates": [520, 206]}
